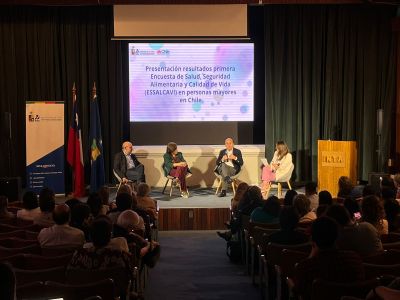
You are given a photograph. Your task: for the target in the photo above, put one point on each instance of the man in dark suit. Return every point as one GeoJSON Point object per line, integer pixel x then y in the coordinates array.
{"type": "Point", "coordinates": [229, 163]}
{"type": "Point", "coordinates": [127, 166]}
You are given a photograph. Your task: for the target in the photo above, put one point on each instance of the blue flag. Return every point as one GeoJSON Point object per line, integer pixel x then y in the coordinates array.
{"type": "Point", "coordinates": [97, 178]}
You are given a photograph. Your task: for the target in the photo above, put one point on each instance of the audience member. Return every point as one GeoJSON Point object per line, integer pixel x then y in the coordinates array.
{"type": "Point", "coordinates": [46, 204]}
{"type": "Point", "coordinates": [353, 208]}
{"type": "Point", "coordinates": [302, 206]}
{"type": "Point", "coordinates": [288, 235]}
{"type": "Point", "coordinates": [104, 193]}
{"type": "Point", "coordinates": [345, 187]}
{"type": "Point", "coordinates": [94, 202]}
{"type": "Point", "coordinates": [4, 213]}
{"type": "Point", "coordinates": [61, 234]}
{"type": "Point", "coordinates": [358, 237]}
{"type": "Point", "coordinates": [104, 238]}
{"type": "Point", "coordinates": [325, 261]}
{"type": "Point", "coordinates": [240, 191]}
{"type": "Point", "coordinates": [123, 202]}
{"type": "Point", "coordinates": [372, 211]}
{"type": "Point", "coordinates": [312, 195]}
{"type": "Point", "coordinates": [31, 207]}
{"type": "Point", "coordinates": [324, 201]}
{"type": "Point", "coordinates": [72, 202]}
{"type": "Point", "coordinates": [370, 190]}
{"type": "Point", "coordinates": [80, 216]}
{"type": "Point", "coordinates": [288, 200]}
{"type": "Point", "coordinates": [268, 213]}
{"type": "Point", "coordinates": [144, 201]}
{"type": "Point", "coordinates": [100, 255]}
{"type": "Point", "coordinates": [128, 223]}
{"type": "Point", "coordinates": [325, 198]}
{"type": "Point", "coordinates": [250, 200]}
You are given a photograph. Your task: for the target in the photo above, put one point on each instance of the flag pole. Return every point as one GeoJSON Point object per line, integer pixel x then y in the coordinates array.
{"type": "Point", "coordinates": [73, 101]}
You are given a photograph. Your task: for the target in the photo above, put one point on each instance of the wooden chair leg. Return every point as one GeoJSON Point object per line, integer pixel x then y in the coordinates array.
{"type": "Point", "coordinates": [120, 183]}
{"type": "Point", "coordinates": [234, 187]}
{"type": "Point", "coordinates": [219, 186]}
{"type": "Point", "coordinates": [165, 186]}
{"type": "Point", "coordinates": [279, 190]}
{"type": "Point", "coordinates": [268, 190]}
{"type": "Point", "coordinates": [170, 189]}
{"type": "Point", "coordinates": [288, 183]}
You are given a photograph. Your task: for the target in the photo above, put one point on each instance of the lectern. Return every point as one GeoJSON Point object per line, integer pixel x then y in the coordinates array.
{"type": "Point", "coordinates": [335, 159]}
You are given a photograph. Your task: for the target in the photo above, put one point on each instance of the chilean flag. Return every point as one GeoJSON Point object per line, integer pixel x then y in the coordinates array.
{"type": "Point", "coordinates": [74, 152]}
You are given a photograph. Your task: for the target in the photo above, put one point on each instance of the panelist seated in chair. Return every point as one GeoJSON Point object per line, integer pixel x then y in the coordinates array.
{"type": "Point", "coordinates": [127, 166]}
{"type": "Point", "coordinates": [175, 165]}
{"type": "Point", "coordinates": [280, 169]}
{"type": "Point", "coordinates": [229, 163]}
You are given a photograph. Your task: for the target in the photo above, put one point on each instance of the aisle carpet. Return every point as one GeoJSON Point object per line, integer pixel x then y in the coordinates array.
{"type": "Point", "coordinates": [194, 266]}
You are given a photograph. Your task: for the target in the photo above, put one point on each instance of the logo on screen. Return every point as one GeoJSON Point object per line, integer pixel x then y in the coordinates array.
{"type": "Point", "coordinates": [140, 52]}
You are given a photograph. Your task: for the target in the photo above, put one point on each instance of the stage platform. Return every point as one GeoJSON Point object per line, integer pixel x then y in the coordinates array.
{"type": "Point", "coordinates": [203, 210]}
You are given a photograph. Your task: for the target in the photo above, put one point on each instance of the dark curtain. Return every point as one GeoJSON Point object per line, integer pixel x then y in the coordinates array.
{"type": "Point", "coordinates": [44, 50]}
{"type": "Point", "coordinates": [327, 71]}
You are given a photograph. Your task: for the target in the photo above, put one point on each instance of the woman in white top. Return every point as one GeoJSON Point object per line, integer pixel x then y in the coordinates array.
{"type": "Point", "coordinates": [280, 168]}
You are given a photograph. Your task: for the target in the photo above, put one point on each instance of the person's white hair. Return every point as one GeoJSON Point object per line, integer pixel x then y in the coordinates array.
{"type": "Point", "coordinates": [130, 220]}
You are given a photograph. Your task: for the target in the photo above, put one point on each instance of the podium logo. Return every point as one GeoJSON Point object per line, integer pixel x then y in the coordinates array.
{"type": "Point", "coordinates": [333, 159]}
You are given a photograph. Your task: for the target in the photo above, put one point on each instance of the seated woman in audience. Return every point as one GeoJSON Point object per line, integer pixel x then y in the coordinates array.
{"type": "Point", "coordinates": [4, 213]}
{"type": "Point", "coordinates": [144, 201]}
{"type": "Point", "coordinates": [288, 235]}
{"type": "Point", "coordinates": [240, 191]}
{"type": "Point", "coordinates": [31, 207]}
{"type": "Point", "coordinates": [268, 213]}
{"type": "Point", "coordinates": [302, 206]}
{"type": "Point", "coordinates": [102, 254]}
{"type": "Point", "coordinates": [288, 200]}
{"type": "Point", "coordinates": [372, 212]}
{"type": "Point", "coordinates": [176, 166]}
{"type": "Point", "coordinates": [251, 199]}
{"type": "Point", "coordinates": [279, 167]}
{"type": "Point", "coordinates": [358, 237]}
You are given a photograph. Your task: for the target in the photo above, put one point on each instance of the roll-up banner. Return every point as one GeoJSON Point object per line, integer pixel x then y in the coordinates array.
{"type": "Point", "coordinates": [45, 146]}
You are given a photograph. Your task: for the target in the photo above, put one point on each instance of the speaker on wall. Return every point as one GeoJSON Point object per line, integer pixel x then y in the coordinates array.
{"type": "Point", "coordinates": [11, 188]}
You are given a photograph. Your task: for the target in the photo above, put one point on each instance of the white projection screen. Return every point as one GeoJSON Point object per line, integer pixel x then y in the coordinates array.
{"type": "Point", "coordinates": [191, 82]}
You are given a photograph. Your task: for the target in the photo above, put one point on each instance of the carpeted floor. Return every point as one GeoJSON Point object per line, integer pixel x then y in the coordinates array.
{"type": "Point", "coordinates": [194, 266]}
